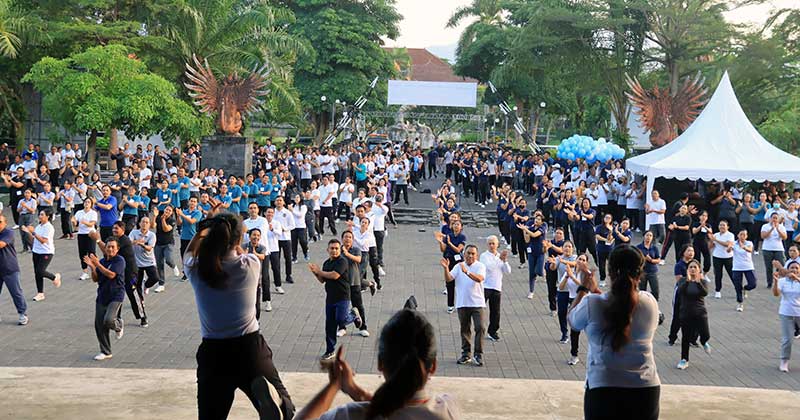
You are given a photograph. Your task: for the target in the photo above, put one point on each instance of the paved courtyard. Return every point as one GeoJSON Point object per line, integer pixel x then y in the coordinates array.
{"type": "Point", "coordinates": [61, 334]}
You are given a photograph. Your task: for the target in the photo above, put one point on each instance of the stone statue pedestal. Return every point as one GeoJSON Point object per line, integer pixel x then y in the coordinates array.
{"type": "Point", "coordinates": [232, 154]}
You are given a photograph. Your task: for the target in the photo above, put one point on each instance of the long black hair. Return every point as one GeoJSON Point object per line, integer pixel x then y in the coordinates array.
{"type": "Point", "coordinates": [406, 352]}
{"type": "Point", "coordinates": [224, 232]}
{"type": "Point", "coordinates": [625, 266]}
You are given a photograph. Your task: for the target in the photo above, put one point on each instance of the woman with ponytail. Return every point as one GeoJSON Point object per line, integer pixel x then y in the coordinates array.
{"type": "Point", "coordinates": [407, 359]}
{"type": "Point", "coordinates": [621, 377]}
{"type": "Point", "coordinates": [233, 354]}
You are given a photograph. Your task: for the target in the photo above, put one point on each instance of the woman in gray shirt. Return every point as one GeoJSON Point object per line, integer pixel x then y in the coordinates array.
{"type": "Point", "coordinates": [233, 354]}
{"type": "Point", "coordinates": [621, 377]}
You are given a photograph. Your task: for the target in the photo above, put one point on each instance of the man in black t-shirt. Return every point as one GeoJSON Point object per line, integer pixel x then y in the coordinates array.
{"type": "Point", "coordinates": [165, 223]}
{"type": "Point", "coordinates": [334, 275]}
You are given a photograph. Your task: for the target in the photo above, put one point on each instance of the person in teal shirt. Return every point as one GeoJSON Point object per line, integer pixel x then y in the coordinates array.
{"type": "Point", "coordinates": [224, 197]}
{"type": "Point", "coordinates": [276, 189]}
{"type": "Point", "coordinates": [183, 190]}
{"type": "Point", "coordinates": [759, 219]}
{"type": "Point", "coordinates": [264, 191]}
{"type": "Point", "coordinates": [145, 208]}
{"type": "Point", "coordinates": [163, 195]}
{"type": "Point", "coordinates": [130, 209]}
{"type": "Point", "coordinates": [236, 194]}
{"type": "Point", "coordinates": [188, 219]}
{"type": "Point", "coordinates": [174, 188]}
{"type": "Point", "coordinates": [204, 205]}
{"type": "Point", "coordinates": [252, 191]}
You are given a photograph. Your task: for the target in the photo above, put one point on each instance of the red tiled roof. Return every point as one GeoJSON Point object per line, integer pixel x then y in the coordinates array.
{"type": "Point", "coordinates": [426, 67]}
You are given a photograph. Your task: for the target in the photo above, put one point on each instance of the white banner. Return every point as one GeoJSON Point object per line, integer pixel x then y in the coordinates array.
{"type": "Point", "coordinates": [404, 92]}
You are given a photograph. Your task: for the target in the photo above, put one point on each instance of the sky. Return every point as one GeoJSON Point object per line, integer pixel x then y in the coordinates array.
{"type": "Point", "coordinates": [424, 21]}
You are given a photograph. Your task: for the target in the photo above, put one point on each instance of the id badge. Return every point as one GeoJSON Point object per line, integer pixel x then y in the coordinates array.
{"type": "Point", "coordinates": [457, 257]}
{"type": "Point", "coordinates": [19, 192]}
{"type": "Point", "coordinates": [530, 250]}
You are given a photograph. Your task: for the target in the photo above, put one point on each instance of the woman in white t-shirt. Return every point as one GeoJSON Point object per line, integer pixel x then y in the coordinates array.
{"type": "Point", "coordinates": [407, 359]}
{"type": "Point", "coordinates": [572, 280]}
{"type": "Point", "coordinates": [85, 221]}
{"type": "Point", "coordinates": [299, 234]}
{"type": "Point", "coordinates": [722, 255]}
{"type": "Point", "coordinates": [743, 266]}
{"type": "Point", "coordinates": [773, 233]}
{"type": "Point", "coordinates": [43, 250]}
{"type": "Point", "coordinates": [315, 194]}
{"type": "Point", "coordinates": [788, 288]}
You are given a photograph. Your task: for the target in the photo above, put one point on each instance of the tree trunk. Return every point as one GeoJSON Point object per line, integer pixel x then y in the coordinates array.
{"type": "Point", "coordinates": [549, 128]}
{"type": "Point", "coordinates": [536, 116]}
{"type": "Point", "coordinates": [674, 77]}
{"type": "Point", "coordinates": [113, 144]}
{"type": "Point", "coordinates": [19, 127]}
{"type": "Point", "coordinates": [91, 151]}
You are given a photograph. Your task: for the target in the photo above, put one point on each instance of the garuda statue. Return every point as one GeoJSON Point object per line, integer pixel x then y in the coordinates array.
{"type": "Point", "coordinates": [230, 99]}
{"type": "Point", "coordinates": [663, 114]}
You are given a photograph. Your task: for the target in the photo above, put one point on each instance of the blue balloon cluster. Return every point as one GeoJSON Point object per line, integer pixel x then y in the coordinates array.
{"type": "Point", "coordinates": [589, 149]}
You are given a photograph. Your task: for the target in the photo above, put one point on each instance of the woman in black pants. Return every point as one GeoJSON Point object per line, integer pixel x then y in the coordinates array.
{"type": "Point", "coordinates": [85, 221]}
{"type": "Point", "coordinates": [584, 229]}
{"type": "Point", "coordinates": [42, 251]}
{"type": "Point", "coordinates": [299, 235]}
{"type": "Point", "coordinates": [233, 354]}
{"type": "Point", "coordinates": [694, 316]}
{"type": "Point", "coordinates": [681, 230]}
{"type": "Point", "coordinates": [701, 229]}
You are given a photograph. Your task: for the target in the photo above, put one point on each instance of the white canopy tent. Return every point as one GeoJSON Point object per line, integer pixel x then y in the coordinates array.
{"type": "Point", "coordinates": [720, 145]}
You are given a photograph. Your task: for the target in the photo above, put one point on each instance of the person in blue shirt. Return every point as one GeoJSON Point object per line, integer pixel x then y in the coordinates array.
{"type": "Point", "coordinates": [109, 274]}
{"type": "Point", "coordinates": [145, 207]}
{"type": "Point", "coordinates": [534, 235]}
{"type": "Point", "coordinates": [264, 191]}
{"type": "Point", "coordinates": [130, 209]}
{"type": "Point", "coordinates": [174, 188]}
{"type": "Point", "coordinates": [224, 197]}
{"type": "Point", "coordinates": [163, 196]}
{"type": "Point", "coordinates": [584, 229]}
{"type": "Point", "coordinates": [188, 220]}
{"type": "Point", "coordinates": [183, 188]}
{"type": "Point", "coordinates": [252, 190]}
{"type": "Point", "coordinates": [107, 210]}
{"type": "Point", "coordinates": [361, 174]}
{"type": "Point", "coordinates": [680, 271]}
{"type": "Point", "coordinates": [652, 257]}
{"type": "Point", "coordinates": [759, 219]}
{"type": "Point", "coordinates": [236, 195]}
{"type": "Point", "coordinates": [276, 190]}
{"type": "Point", "coordinates": [452, 246]}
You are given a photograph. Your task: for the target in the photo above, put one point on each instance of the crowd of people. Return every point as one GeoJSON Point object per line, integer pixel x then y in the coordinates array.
{"type": "Point", "coordinates": [564, 219]}
{"type": "Point", "coordinates": [237, 232]}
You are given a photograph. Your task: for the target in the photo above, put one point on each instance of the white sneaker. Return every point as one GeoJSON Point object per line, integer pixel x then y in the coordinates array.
{"type": "Point", "coordinates": [279, 290]}
{"type": "Point", "coordinates": [740, 308]}
{"type": "Point", "coordinates": [102, 356]}
{"type": "Point", "coordinates": [508, 246]}
{"type": "Point", "coordinates": [363, 333]}
{"type": "Point", "coordinates": [602, 284]}
{"type": "Point", "coordinates": [662, 262]}
{"type": "Point", "coordinates": [683, 364]}
{"type": "Point", "coordinates": [573, 361]}
{"type": "Point", "coordinates": [553, 314]}
{"type": "Point", "coordinates": [530, 295]}
{"type": "Point", "coordinates": [159, 288]}
{"type": "Point", "coordinates": [341, 333]}
{"type": "Point", "coordinates": [121, 331]}
{"type": "Point", "coordinates": [381, 271]}
{"type": "Point", "coordinates": [39, 297]}
{"type": "Point", "coordinates": [57, 280]}
{"type": "Point", "coordinates": [707, 348]}
{"type": "Point", "coordinates": [23, 320]}
{"type": "Point", "coordinates": [755, 253]}
{"type": "Point", "coordinates": [717, 295]}
{"type": "Point", "coordinates": [84, 276]}
{"type": "Point", "coordinates": [176, 271]}
{"type": "Point", "coordinates": [784, 366]}
{"type": "Point", "coordinates": [444, 292]}
{"type": "Point", "coordinates": [15, 227]}
{"type": "Point", "coordinates": [451, 309]}
{"type": "Point", "coordinates": [268, 307]}
{"type": "Point", "coordinates": [521, 266]}
{"type": "Point", "coordinates": [745, 294]}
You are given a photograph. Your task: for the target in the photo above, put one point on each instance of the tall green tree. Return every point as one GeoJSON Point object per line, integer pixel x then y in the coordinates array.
{"type": "Point", "coordinates": [104, 88]}
{"type": "Point", "coordinates": [347, 36]}
{"type": "Point", "coordinates": [485, 13]}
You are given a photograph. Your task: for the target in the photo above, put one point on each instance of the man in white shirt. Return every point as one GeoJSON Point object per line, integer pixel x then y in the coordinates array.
{"type": "Point", "coordinates": [496, 266]}
{"type": "Point", "coordinates": [274, 231]}
{"type": "Point", "coordinates": [327, 192]}
{"type": "Point", "coordinates": [377, 211]}
{"type": "Point", "coordinates": [468, 276]}
{"type": "Point", "coordinates": [286, 219]}
{"type": "Point", "coordinates": [54, 161]}
{"type": "Point", "coordinates": [145, 175]}
{"type": "Point", "coordinates": [345, 198]}
{"type": "Point", "coordinates": [257, 222]}
{"type": "Point", "coordinates": [773, 233]}
{"type": "Point", "coordinates": [654, 216]}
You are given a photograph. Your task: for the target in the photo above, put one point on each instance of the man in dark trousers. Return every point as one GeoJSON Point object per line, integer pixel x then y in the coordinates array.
{"type": "Point", "coordinates": [668, 219]}
{"type": "Point", "coordinates": [109, 275]}
{"type": "Point", "coordinates": [125, 250]}
{"type": "Point", "coordinates": [334, 275]}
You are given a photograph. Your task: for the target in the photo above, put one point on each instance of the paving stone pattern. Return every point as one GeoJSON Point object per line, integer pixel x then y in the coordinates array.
{"type": "Point", "coordinates": [745, 345]}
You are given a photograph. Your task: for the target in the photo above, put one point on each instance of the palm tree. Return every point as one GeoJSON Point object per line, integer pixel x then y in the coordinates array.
{"type": "Point", "coordinates": [488, 12]}
{"type": "Point", "coordinates": [12, 23]}
{"type": "Point", "coordinates": [234, 36]}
